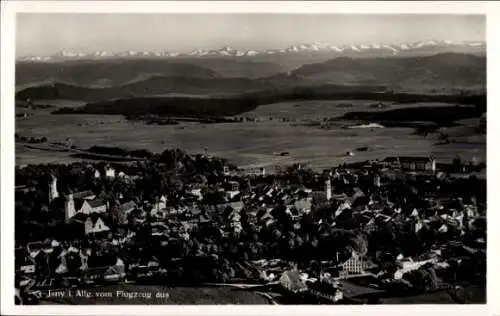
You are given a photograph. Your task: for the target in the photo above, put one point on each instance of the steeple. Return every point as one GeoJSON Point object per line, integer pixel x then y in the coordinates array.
{"type": "Point", "coordinates": [69, 207]}
{"type": "Point", "coordinates": [328, 189]}
{"type": "Point", "coordinates": [53, 189]}
{"type": "Point", "coordinates": [376, 181]}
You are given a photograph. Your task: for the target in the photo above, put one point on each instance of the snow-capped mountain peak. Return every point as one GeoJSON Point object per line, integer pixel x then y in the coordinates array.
{"type": "Point", "coordinates": [197, 52]}
{"type": "Point", "coordinates": [313, 47]}
{"type": "Point", "coordinates": [477, 44]}
{"type": "Point", "coordinates": [336, 48]}
{"type": "Point", "coordinates": [424, 44]}
{"type": "Point", "coordinates": [252, 53]}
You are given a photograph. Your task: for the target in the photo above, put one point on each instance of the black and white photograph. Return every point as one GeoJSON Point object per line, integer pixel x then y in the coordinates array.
{"type": "Point", "coordinates": [235, 158]}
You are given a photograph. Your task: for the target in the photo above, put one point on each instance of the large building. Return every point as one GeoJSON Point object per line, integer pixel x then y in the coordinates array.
{"type": "Point", "coordinates": [412, 163]}
{"type": "Point", "coordinates": [75, 206]}
{"type": "Point", "coordinates": [355, 265]}
{"type": "Point", "coordinates": [418, 163]}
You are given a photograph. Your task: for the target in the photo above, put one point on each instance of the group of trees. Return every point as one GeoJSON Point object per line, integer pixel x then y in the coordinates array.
{"type": "Point", "coordinates": [30, 140]}
{"type": "Point", "coordinates": [423, 279]}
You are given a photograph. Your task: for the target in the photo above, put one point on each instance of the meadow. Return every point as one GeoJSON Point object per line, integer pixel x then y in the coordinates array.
{"type": "Point", "coordinates": [253, 144]}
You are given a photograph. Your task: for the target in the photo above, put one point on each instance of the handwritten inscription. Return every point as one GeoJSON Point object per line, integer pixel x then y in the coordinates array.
{"type": "Point", "coordinates": [106, 294]}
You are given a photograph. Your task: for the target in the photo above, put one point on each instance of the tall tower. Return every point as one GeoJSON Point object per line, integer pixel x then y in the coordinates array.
{"type": "Point", "coordinates": [69, 207]}
{"type": "Point", "coordinates": [376, 181]}
{"type": "Point", "coordinates": [53, 189]}
{"type": "Point", "coordinates": [328, 189]}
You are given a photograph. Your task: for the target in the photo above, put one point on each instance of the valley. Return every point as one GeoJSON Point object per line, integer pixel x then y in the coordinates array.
{"type": "Point", "coordinates": [251, 144]}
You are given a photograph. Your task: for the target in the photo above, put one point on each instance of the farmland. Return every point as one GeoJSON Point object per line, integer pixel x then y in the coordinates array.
{"type": "Point", "coordinates": [253, 144]}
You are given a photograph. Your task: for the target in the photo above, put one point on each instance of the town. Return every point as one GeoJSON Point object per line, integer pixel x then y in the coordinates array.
{"type": "Point", "coordinates": [394, 230]}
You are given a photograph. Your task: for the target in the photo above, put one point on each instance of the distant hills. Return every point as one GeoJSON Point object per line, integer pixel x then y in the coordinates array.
{"type": "Point", "coordinates": [148, 87]}
{"type": "Point", "coordinates": [438, 71]}
{"type": "Point", "coordinates": [106, 73]}
{"type": "Point", "coordinates": [102, 80]}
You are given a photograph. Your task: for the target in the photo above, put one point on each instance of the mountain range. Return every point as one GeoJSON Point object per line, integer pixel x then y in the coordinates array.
{"type": "Point", "coordinates": [361, 50]}
{"type": "Point", "coordinates": [138, 78]}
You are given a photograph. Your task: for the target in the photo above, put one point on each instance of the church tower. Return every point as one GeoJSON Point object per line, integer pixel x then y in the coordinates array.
{"type": "Point", "coordinates": [53, 189]}
{"type": "Point", "coordinates": [376, 181]}
{"type": "Point", "coordinates": [69, 207]}
{"type": "Point", "coordinates": [328, 189]}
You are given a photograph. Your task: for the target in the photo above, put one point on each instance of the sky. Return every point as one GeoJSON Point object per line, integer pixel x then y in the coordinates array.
{"type": "Point", "coordinates": [48, 33]}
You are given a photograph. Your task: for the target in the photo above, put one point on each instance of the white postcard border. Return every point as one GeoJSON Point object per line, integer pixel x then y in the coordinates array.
{"type": "Point", "coordinates": [10, 8]}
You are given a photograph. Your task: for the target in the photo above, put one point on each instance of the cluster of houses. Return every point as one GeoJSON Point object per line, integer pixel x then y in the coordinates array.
{"type": "Point", "coordinates": [43, 265]}
{"type": "Point", "coordinates": [259, 200]}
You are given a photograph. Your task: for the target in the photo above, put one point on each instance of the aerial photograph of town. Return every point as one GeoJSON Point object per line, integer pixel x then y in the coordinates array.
{"type": "Point", "coordinates": [258, 159]}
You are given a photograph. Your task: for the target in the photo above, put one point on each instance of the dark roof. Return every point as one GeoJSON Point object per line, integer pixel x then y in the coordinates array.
{"type": "Point", "coordinates": [97, 270]}
{"type": "Point", "coordinates": [415, 159]}
{"type": "Point", "coordinates": [83, 194]}
{"type": "Point", "coordinates": [128, 206]}
{"type": "Point", "coordinates": [80, 217]}
{"type": "Point", "coordinates": [22, 258]}
{"type": "Point", "coordinates": [96, 203]}
{"type": "Point", "coordinates": [38, 245]}
{"type": "Point", "coordinates": [391, 159]}
{"type": "Point", "coordinates": [361, 200]}
{"type": "Point", "coordinates": [94, 217]}
{"type": "Point", "coordinates": [78, 204]}
{"type": "Point", "coordinates": [40, 256]}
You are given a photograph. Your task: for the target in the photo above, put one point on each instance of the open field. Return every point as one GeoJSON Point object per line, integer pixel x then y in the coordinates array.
{"type": "Point", "coordinates": [251, 144]}
{"type": "Point", "coordinates": [317, 109]}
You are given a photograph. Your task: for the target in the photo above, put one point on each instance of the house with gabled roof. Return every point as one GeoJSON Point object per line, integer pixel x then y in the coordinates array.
{"type": "Point", "coordinates": [34, 248]}
{"type": "Point", "coordinates": [95, 224]}
{"type": "Point", "coordinates": [112, 273]}
{"type": "Point", "coordinates": [75, 206]}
